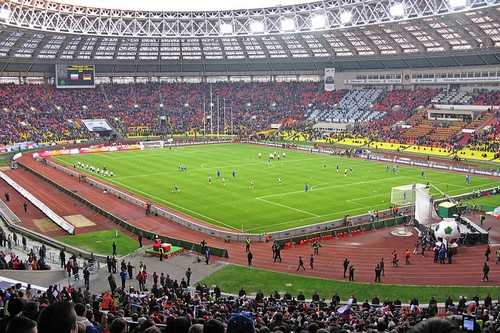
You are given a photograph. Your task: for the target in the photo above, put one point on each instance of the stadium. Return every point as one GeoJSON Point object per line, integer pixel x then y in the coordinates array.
{"type": "Point", "coordinates": [274, 166]}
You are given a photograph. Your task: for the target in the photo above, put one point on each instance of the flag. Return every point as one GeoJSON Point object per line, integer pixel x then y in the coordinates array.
{"type": "Point", "coordinates": [87, 77]}
{"type": "Point", "coordinates": [73, 77]}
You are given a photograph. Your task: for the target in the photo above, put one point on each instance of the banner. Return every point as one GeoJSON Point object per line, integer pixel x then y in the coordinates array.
{"type": "Point", "coordinates": [329, 79]}
{"type": "Point", "coordinates": [85, 150]}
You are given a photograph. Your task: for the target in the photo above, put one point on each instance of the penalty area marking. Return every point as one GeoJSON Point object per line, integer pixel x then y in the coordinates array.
{"type": "Point", "coordinates": [292, 208]}
{"type": "Point", "coordinates": [176, 205]}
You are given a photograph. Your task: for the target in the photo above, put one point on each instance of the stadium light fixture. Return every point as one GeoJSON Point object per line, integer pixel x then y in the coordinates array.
{"type": "Point", "coordinates": [257, 26]}
{"type": "Point", "coordinates": [161, 105]}
{"type": "Point", "coordinates": [226, 28]}
{"type": "Point", "coordinates": [457, 4]}
{"type": "Point", "coordinates": [136, 106]}
{"type": "Point", "coordinates": [346, 17]}
{"type": "Point", "coordinates": [58, 107]}
{"type": "Point", "coordinates": [287, 24]}
{"type": "Point", "coordinates": [110, 106]}
{"type": "Point", "coordinates": [249, 104]}
{"type": "Point", "coordinates": [4, 14]}
{"type": "Point", "coordinates": [397, 10]}
{"type": "Point", "coordinates": [186, 105]}
{"type": "Point", "coordinates": [84, 107]}
{"type": "Point", "coordinates": [318, 21]}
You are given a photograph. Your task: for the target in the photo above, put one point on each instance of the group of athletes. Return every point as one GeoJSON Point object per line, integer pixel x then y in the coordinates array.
{"type": "Point", "coordinates": [274, 156]}
{"type": "Point", "coordinates": [90, 168]}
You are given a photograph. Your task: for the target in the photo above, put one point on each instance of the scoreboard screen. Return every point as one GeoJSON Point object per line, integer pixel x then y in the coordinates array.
{"type": "Point", "coordinates": [75, 76]}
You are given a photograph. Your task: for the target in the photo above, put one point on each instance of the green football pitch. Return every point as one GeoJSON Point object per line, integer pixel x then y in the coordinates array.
{"type": "Point", "coordinates": [255, 200]}
{"type": "Point", "coordinates": [101, 242]}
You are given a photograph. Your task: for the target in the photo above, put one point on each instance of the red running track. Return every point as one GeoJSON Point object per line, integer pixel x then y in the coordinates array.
{"type": "Point", "coordinates": [364, 250]}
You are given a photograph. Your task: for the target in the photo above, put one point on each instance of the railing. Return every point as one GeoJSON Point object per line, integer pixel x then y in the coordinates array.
{"type": "Point", "coordinates": [347, 230]}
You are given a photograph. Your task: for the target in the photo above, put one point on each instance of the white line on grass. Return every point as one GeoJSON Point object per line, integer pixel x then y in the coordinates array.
{"type": "Point", "coordinates": [292, 208]}
{"type": "Point", "coordinates": [329, 187]}
{"type": "Point", "coordinates": [303, 220]}
{"type": "Point", "coordinates": [176, 205]}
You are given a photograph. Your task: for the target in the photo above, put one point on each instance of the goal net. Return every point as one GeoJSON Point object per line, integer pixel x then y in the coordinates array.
{"type": "Point", "coordinates": [405, 195]}
{"type": "Point", "coordinates": [151, 144]}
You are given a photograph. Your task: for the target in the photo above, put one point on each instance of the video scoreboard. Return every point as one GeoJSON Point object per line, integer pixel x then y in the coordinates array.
{"type": "Point", "coordinates": [75, 76]}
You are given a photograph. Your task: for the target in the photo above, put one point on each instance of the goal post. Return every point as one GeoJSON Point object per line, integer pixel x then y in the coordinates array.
{"type": "Point", "coordinates": [405, 195]}
{"type": "Point", "coordinates": [151, 144]}
{"type": "Point", "coordinates": [418, 196]}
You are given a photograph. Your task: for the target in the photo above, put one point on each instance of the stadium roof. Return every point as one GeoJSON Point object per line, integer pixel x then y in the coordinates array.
{"type": "Point", "coordinates": [347, 33]}
{"type": "Point", "coordinates": [185, 5]}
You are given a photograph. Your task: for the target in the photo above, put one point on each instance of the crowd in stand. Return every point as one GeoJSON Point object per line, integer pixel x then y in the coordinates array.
{"type": "Point", "coordinates": [173, 308]}
{"type": "Point", "coordinates": [42, 113]}
{"type": "Point", "coordinates": [9, 259]}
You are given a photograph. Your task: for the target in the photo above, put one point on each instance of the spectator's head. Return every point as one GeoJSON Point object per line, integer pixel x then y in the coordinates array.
{"type": "Point", "coordinates": [16, 305]}
{"type": "Point", "coordinates": [80, 309]}
{"type": "Point", "coordinates": [240, 323]}
{"type": "Point", "coordinates": [119, 325]}
{"type": "Point", "coordinates": [435, 325]}
{"type": "Point", "coordinates": [58, 317]}
{"type": "Point", "coordinates": [145, 324]}
{"type": "Point", "coordinates": [213, 326]}
{"type": "Point", "coordinates": [196, 328]}
{"type": "Point", "coordinates": [31, 310]}
{"type": "Point", "coordinates": [179, 325]}
{"type": "Point", "coordinates": [21, 324]}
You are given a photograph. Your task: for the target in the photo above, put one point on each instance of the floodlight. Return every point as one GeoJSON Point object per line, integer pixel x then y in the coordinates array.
{"type": "Point", "coordinates": [186, 105]}
{"type": "Point", "coordinates": [84, 107]}
{"type": "Point", "coordinates": [136, 106]}
{"type": "Point", "coordinates": [456, 4]}
{"type": "Point", "coordinates": [226, 28]}
{"type": "Point", "coordinates": [161, 105]}
{"type": "Point", "coordinates": [4, 14]}
{"type": "Point", "coordinates": [287, 24]}
{"type": "Point", "coordinates": [249, 104]}
{"type": "Point", "coordinates": [110, 106]}
{"type": "Point", "coordinates": [397, 9]}
{"type": "Point", "coordinates": [257, 26]}
{"type": "Point", "coordinates": [318, 21]}
{"type": "Point", "coordinates": [345, 17]}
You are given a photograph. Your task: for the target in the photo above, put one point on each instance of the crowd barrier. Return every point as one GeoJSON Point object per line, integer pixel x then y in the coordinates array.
{"type": "Point", "coordinates": [344, 230]}
{"type": "Point", "coordinates": [69, 228]}
{"type": "Point", "coordinates": [127, 226]}
{"type": "Point", "coordinates": [471, 195]}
